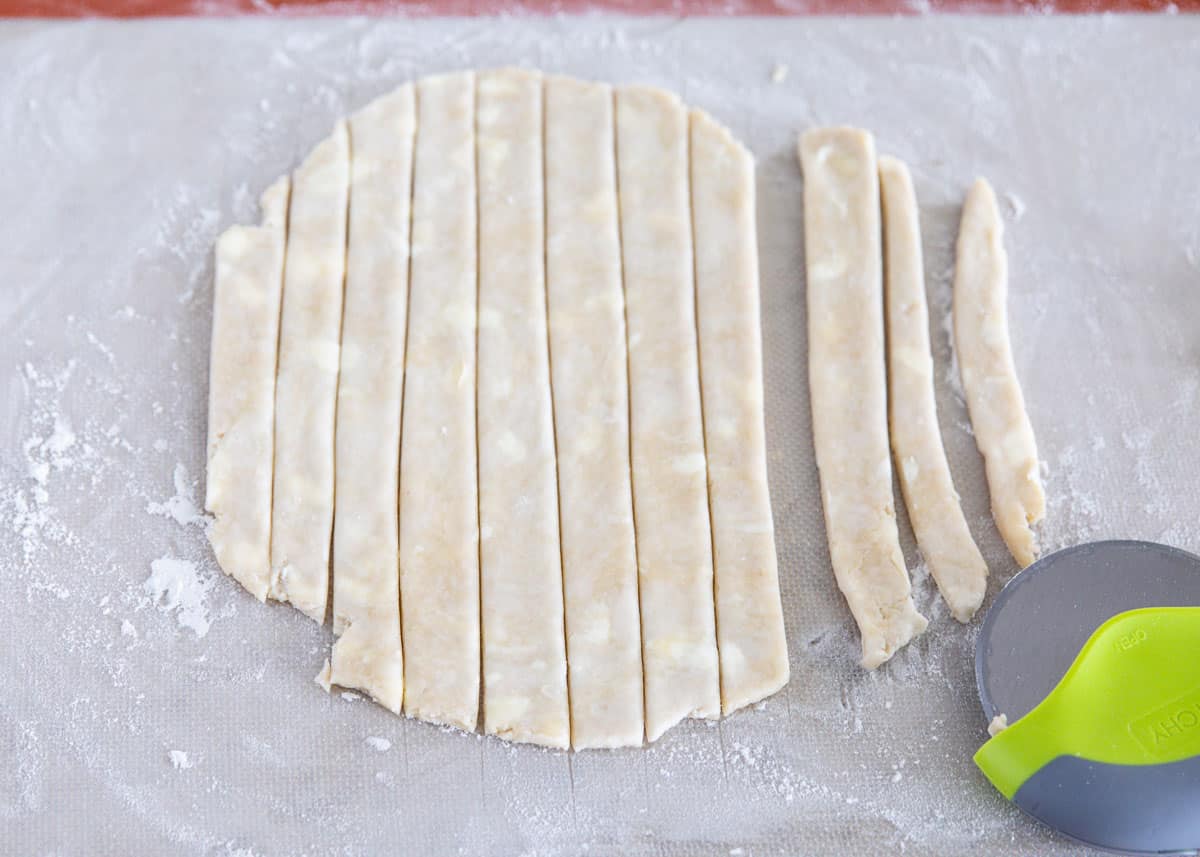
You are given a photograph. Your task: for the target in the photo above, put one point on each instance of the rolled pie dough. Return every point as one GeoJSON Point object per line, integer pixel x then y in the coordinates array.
{"type": "Point", "coordinates": [848, 389]}
{"type": "Point", "coordinates": [306, 389]}
{"type": "Point", "coordinates": [670, 500]}
{"type": "Point", "coordinates": [933, 508]}
{"type": "Point", "coordinates": [366, 586]}
{"type": "Point", "coordinates": [539, 416]}
{"type": "Point", "coordinates": [994, 400]}
{"type": "Point", "coordinates": [439, 529]}
{"type": "Point", "coordinates": [591, 416]}
{"type": "Point", "coordinates": [750, 636]}
{"type": "Point", "coordinates": [241, 404]}
{"type": "Point", "coordinates": [524, 649]}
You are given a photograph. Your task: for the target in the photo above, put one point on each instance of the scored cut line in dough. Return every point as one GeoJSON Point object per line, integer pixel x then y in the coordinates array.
{"type": "Point", "coordinates": [366, 585]}
{"type": "Point", "coordinates": [439, 530]}
{"type": "Point", "coordinates": [933, 507]}
{"type": "Point", "coordinates": [669, 465]}
{"type": "Point", "coordinates": [306, 389]}
{"type": "Point", "coordinates": [750, 633]}
{"type": "Point", "coordinates": [994, 400]}
{"type": "Point", "coordinates": [241, 393]}
{"type": "Point", "coordinates": [524, 650]}
{"type": "Point", "coordinates": [848, 388]}
{"type": "Point", "coordinates": [587, 347]}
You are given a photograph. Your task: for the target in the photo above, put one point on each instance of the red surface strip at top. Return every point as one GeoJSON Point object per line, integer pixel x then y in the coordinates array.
{"type": "Point", "coordinates": [676, 8]}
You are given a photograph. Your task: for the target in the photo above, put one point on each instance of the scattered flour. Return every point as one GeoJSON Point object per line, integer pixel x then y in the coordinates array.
{"type": "Point", "coordinates": [1016, 206]}
{"type": "Point", "coordinates": [182, 507]}
{"type": "Point", "coordinates": [762, 766]}
{"type": "Point", "coordinates": [380, 744]}
{"type": "Point", "coordinates": [43, 454]}
{"type": "Point", "coordinates": [102, 348]}
{"type": "Point", "coordinates": [1074, 510]}
{"type": "Point", "coordinates": [60, 440]}
{"type": "Point", "coordinates": [179, 760]}
{"type": "Point", "coordinates": [53, 460]}
{"type": "Point", "coordinates": [1137, 439]}
{"type": "Point", "coordinates": [175, 585]}
{"type": "Point", "coordinates": [233, 851]}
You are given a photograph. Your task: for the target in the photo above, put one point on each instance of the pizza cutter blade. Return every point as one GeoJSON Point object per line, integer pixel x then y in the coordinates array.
{"type": "Point", "coordinates": [1093, 656]}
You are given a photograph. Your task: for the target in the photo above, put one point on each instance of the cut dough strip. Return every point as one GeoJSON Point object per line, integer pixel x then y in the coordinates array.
{"type": "Point", "coordinates": [241, 392]}
{"type": "Point", "coordinates": [994, 400]}
{"type": "Point", "coordinates": [524, 650]}
{"type": "Point", "coordinates": [669, 466]}
{"type": "Point", "coordinates": [750, 634]}
{"type": "Point", "coordinates": [306, 389]}
{"type": "Point", "coordinates": [587, 347]}
{"type": "Point", "coordinates": [366, 571]}
{"type": "Point", "coordinates": [439, 531]}
{"type": "Point", "coordinates": [848, 388]}
{"type": "Point", "coordinates": [937, 518]}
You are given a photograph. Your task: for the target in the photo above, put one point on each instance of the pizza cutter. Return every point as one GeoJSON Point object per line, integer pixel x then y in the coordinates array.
{"type": "Point", "coordinates": [1092, 654]}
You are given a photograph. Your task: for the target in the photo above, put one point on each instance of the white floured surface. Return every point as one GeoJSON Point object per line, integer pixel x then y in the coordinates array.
{"type": "Point", "coordinates": [181, 507]}
{"type": "Point", "coordinates": [135, 149]}
{"type": "Point", "coordinates": [175, 586]}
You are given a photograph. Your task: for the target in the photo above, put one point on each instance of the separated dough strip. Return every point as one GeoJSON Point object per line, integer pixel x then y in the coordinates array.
{"type": "Point", "coordinates": [994, 400]}
{"type": "Point", "coordinates": [241, 391]}
{"type": "Point", "coordinates": [750, 632]}
{"type": "Point", "coordinates": [588, 361]}
{"type": "Point", "coordinates": [366, 571]}
{"type": "Point", "coordinates": [933, 507]}
{"type": "Point", "coordinates": [848, 387]}
{"type": "Point", "coordinates": [670, 495]}
{"type": "Point", "coordinates": [439, 532]}
{"type": "Point", "coordinates": [306, 389]}
{"type": "Point", "coordinates": [524, 650]}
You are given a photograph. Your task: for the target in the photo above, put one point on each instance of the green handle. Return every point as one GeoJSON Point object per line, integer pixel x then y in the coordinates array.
{"type": "Point", "coordinates": [1132, 697]}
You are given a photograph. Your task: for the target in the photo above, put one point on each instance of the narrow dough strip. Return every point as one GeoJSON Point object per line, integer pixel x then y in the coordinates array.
{"type": "Point", "coordinates": [306, 389]}
{"type": "Point", "coordinates": [994, 400]}
{"type": "Point", "coordinates": [524, 650]}
{"type": "Point", "coordinates": [848, 387]}
{"type": "Point", "coordinates": [366, 572]}
{"type": "Point", "coordinates": [670, 494]}
{"type": "Point", "coordinates": [750, 632]}
{"type": "Point", "coordinates": [937, 518]}
{"type": "Point", "coordinates": [439, 532]}
{"type": "Point", "coordinates": [591, 411]}
{"type": "Point", "coordinates": [241, 391]}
